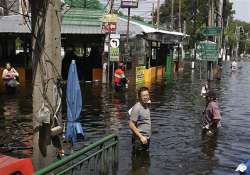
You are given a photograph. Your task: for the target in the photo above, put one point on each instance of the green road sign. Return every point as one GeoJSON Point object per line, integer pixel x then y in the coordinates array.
{"type": "Point", "coordinates": [208, 51]}
{"type": "Point", "coordinates": [211, 31]}
{"type": "Point", "coordinates": [114, 54]}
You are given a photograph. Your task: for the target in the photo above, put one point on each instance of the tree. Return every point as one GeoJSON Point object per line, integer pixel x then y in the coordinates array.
{"type": "Point", "coordinates": [195, 13]}
{"type": "Point", "coordinates": [3, 4]}
{"type": "Point", "coordinates": [46, 64]}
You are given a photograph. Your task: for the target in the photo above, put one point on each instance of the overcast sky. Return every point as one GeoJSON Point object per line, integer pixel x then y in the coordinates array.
{"type": "Point", "coordinates": [144, 9]}
{"type": "Point", "coordinates": [242, 9]}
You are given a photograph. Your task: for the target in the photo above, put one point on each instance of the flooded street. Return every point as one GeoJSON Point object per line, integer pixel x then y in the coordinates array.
{"type": "Point", "coordinates": [177, 145]}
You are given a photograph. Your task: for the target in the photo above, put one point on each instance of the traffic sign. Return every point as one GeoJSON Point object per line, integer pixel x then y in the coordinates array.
{"type": "Point", "coordinates": [114, 43]}
{"type": "Point", "coordinates": [211, 31]}
{"type": "Point", "coordinates": [115, 35]}
{"type": "Point", "coordinates": [114, 54]}
{"type": "Point", "coordinates": [208, 51]}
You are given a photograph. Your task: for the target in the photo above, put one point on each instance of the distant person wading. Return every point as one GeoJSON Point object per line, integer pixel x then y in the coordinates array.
{"type": "Point", "coordinates": [10, 77]}
{"type": "Point", "coordinates": [211, 119]}
{"type": "Point", "coordinates": [121, 82]}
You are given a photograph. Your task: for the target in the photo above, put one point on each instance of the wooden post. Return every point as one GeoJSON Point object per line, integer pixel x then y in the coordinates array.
{"type": "Point", "coordinates": [46, 46]}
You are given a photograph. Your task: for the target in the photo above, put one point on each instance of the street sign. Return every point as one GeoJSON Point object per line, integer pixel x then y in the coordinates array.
{"type": "Point", "coordinates": [114, 54]}
{"type": "Point", "coordinates": [115, 35]}
{"type": "Point", "coordinates": [208, 51]}
{"type": "Point", "coordinates": [129, 3]}
{"type": "Point", "coordinates": [109, 27]}
{"type": "Point", "coordinates": [109, 23]}
{"type": "Point", "coordinates": [211, 31]}
{"type": "Point", "coordinates": [114, 43]}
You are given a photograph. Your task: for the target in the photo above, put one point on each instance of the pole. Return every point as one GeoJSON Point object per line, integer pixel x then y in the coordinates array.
{"type": "Point", "coordinates": [210, 23]}
{"type": "Point", "coordinates": [158, 14]}
{"type": "Point", "coordinates": [46, 64]}
{"type": "Point", "coordinates": [110, 11]}
{"type": "Point", "coordinates": [153, 10]}
{"type": "Point", "coordinates": [108, 78]}
{"type": "Point", "coordinates": [172, 15]}
{"type": "Point", "coordinates": [128, 27]}
{"type": "Point", "coordinates": [179, 25]}
{"type": "Point", "coordinates": [194, 26]}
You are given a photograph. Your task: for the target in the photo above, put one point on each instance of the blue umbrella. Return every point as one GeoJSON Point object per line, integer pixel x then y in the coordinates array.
{"type": "Point", "coordinates": [74, 104]}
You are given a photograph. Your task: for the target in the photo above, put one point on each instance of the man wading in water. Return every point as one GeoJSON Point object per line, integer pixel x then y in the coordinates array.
{"type": "Point", "coordinates": [140, 121]}
{"type": "Point", "coordinates": [211, 116]}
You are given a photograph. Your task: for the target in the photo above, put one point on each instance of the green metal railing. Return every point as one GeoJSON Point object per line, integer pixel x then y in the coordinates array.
{"type": "Point", "coordinates": [97, 158]}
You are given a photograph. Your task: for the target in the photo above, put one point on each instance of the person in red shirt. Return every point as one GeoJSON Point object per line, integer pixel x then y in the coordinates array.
{"type": "Point", "coordinates": [119, 78]}
{"type": "Point", "coordinates": [211, 116]}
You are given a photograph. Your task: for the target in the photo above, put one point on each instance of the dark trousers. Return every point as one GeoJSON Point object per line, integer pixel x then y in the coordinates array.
{"type": "Point", "coordinates": [137, 145]}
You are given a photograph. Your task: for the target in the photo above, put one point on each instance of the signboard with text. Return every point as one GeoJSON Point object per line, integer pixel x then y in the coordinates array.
{"type": "Point", "coordinates": [140, 74]}
{"type": "Point", "coordinates": [109, 23]}
{"type": "Point", "coordinates": [208, 51]}
{"type": "Point", "coordinates": [109, 27]}
{"type": "Point", "coordinates": [114, 54]}
{"type": "Point", "coordinates": [129, 3]}
{"type": "Point", "coordinates": [211, 31]}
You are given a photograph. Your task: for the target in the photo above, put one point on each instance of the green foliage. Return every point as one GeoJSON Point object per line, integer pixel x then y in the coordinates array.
{"type": "Point", "coordinates": [195, 13]}
{"type": "Point", "coordinates": [232, 36]}
{"type": "Point", "coordinates": [248, 46]}
{"type": "Point", "coordinates": [138, 18]}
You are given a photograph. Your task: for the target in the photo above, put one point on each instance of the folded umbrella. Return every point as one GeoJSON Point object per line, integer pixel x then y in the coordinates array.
{"type": "Point", "coordinates": [74, 105]}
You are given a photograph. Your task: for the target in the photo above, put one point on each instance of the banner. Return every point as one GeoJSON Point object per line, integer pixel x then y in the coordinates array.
{"type": "Point", "coordinates": [140, 74]}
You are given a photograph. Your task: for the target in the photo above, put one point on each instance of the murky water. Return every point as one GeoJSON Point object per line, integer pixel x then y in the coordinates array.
{"type": "Point", "coordinates": [177, 146]}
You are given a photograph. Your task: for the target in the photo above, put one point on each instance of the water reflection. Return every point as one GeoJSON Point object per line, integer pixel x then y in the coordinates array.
{"type": "Point", "coordinates": [140, 162]}
{"type": "Point", "coordinates": [10, 108]}
{"type": "Point", "coordinates": [15, 127]}
{"type": "Point", "coordinates": [209, 145]}
{"type": "Point", "coordinates": [177, 146]}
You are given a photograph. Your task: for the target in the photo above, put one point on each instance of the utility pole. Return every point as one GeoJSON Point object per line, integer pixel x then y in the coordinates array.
{"type": "Point", "coordinates": [158, 14]}
{"type": "Point", "coordinates": [109, 11]}
{"type": "Point", "coordinates": [210, 24]}
{"type": "Point", "coordinates": [172, 15]}
{"type": "Point", "coordinates": [46, 64]}
{"type": "Point", "coordinates": [153, 11]}
{"type": "Point", "coordinates": [179, 24]}
{"type": "Point", "coordinates": [194, 27]}
{"type": "Point", "coordinates": [128, 26]}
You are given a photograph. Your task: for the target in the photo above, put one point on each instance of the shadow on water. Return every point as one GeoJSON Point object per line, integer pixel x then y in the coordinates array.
{"type": "Point", "coordinates": [177, 145]}
{"type": "Point", "coordinates": [15, 125]}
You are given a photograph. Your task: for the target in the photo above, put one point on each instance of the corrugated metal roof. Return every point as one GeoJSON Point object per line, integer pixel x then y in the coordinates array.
{"type": "Point", "coordinates": [137, 27]}
{"type": "Point", "coordinates": [13, 24]}
{"type": "Point", "coordinates": [82, 21]}
{"type": "Point", "coordinates": [90, 4]}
